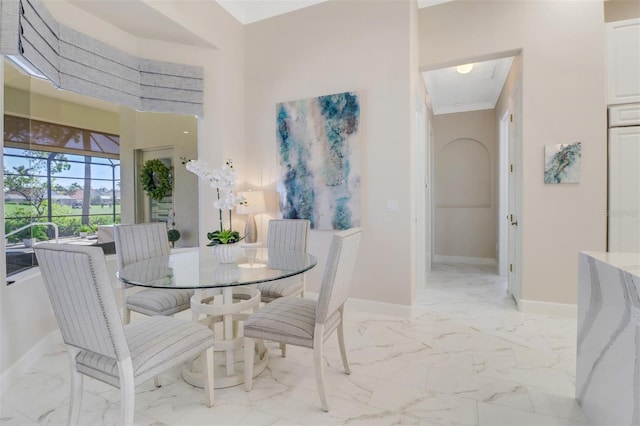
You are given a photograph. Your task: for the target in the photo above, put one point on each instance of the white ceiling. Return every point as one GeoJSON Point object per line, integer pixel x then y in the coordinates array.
{"type": "Point", "coordinates": [248, 11]}
{"type": "Point", "coordinates": [139, 19]}
{"type": "Point", "coordinates": [479, 89]}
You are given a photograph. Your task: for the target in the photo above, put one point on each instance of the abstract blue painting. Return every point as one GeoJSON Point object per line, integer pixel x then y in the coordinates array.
{"type": "Point", "coordinates": [319, 160]}
{"type": "Point", "coordinates": [562, 163]}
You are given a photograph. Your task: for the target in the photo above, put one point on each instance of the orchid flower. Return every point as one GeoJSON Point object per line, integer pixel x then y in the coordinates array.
{"type": "Point", "coordinates": [223, 181]}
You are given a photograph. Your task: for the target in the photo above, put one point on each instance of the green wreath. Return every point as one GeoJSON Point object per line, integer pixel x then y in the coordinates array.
{"type": "Point", "coordinates": [155, 178]}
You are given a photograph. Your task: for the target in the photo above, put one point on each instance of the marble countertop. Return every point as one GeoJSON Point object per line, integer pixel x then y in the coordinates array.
{"type": "Point", "coordinates": [628, 262]}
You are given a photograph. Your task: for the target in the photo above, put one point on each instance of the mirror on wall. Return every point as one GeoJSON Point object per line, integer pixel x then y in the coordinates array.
{"type": "Point", "coordinates": [69, 167]}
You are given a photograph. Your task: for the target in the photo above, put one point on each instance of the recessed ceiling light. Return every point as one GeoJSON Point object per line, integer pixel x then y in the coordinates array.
{"type": "Point", "coordinates": [464, 69]}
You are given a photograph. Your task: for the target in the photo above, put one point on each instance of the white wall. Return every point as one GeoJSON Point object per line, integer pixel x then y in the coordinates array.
{"type": "Point", "coordinates": [466, 152]}
{"type": "Point", "coordinates": [563, 93]}
{"type": "Point", "coordinates": [329, 48]}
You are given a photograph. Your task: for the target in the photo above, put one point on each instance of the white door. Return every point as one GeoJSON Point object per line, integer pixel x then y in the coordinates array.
{"type": "Point", "coordinates": [422, 234]}
{"type": "Point", "coordinates": [503, 204]}
{"type": "Point", "coordinates": [514, 191]}
{"type": "Point", "coordinates": [429, 195]}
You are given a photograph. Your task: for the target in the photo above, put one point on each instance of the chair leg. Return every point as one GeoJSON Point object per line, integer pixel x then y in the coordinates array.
{"type": "Point", "coordinates": [126, 316]}
{"type": "Point", "coordinates": [343, 349]}
{"type": "Point", "coordinates": [207, 356]}
{"type": "Point", "coordinates": [261, 349]}
{"type": "Point", "coordinates": [76, 389]}
{"type": "Point", "coordinates": [157, 380]}
{"type": "Point", "coordinates": [249, 351]}
{"type": "Point", "coordinates": [127, 391]}
{"type": "Point", "coordinates": [318, 364]}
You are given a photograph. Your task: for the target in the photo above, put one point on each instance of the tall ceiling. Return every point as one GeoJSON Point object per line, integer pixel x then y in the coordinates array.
{"type": "Point", "coordinates": [449, 90]}
{"type": "Point", "coordinates": [248, 11]}
{"type": "Point", "coordinates": [139, 19]}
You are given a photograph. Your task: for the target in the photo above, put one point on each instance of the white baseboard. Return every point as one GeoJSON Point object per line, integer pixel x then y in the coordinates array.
{"type": "Point", "coordinates": [384, 308]}
{"type": "Point", "coordinates": [438, 258]}
{"type": "Point", "coordinates": [548, 308]}
{"type": "Point", "coordinates": [373, 306]}
{"type": "Point", "coordinates": [28, 360]}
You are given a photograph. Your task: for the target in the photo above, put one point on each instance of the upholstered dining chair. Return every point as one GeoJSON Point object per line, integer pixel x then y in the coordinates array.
{"type": "Point", "coordinates": [285, 234]}
{"type": "Point", "coordinates": [305, 322]}
{"type": "Point", "coordinates": [138, 242]}
{"type": "Point", "coordinates": [99, 345]}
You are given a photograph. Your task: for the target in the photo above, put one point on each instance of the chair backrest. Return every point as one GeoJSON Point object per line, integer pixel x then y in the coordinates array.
{"type": "Point", "coordinates": [288, 234]}
{"type": "Point", "coordinates": [140, 241]}
{"type": "Point", "coordinates": [79, 288]}
{"type": "Point", "coordinates": [338, 272]}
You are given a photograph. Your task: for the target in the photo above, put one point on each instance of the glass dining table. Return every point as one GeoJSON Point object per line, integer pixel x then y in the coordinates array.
{"type": "Point", "coordinates": [225, 293]}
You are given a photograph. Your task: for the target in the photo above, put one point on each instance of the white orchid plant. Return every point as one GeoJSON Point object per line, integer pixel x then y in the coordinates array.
{"type": "Point", "coordinates": [223, 181]}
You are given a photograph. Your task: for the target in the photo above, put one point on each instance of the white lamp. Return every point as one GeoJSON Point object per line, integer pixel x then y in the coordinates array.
{"type": "Point", "coordinates": [255, 204]}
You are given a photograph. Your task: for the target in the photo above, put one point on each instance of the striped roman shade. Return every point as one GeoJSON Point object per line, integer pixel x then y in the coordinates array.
{"type": "Point", "coordinates": [78, 63]}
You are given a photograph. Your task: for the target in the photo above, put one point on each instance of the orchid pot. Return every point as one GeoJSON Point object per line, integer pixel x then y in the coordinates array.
{"type": "Point", "coordinates": [227, 253]}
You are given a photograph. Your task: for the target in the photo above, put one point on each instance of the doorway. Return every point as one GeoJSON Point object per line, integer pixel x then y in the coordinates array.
{"type": "Point", "coordinates": [485, 231]}
{"type": "Point", "coordinates": [148, 210]}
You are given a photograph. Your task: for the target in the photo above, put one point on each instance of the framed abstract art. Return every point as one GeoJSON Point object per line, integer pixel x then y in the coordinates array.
{"type": "Point", "coordinates": [319, 160]}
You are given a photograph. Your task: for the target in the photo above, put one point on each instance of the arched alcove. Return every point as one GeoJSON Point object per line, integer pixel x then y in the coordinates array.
{"type": "Point", "coordinates": [463, 174]}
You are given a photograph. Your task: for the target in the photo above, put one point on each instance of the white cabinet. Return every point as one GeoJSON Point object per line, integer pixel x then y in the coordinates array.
{"type": "Point", "coordinates": [624, 189]}
{"type": "Point", "coordinates": [623, 61]}
{"type": "Point", "coordinates": [624, 115]}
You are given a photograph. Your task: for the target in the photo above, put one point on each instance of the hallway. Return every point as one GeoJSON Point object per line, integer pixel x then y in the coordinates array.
{"type": "Point", "coordinates": [468, 357]}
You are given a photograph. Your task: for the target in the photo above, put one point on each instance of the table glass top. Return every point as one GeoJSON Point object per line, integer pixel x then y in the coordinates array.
{"type": "Point", "coordinates": [200, 269]}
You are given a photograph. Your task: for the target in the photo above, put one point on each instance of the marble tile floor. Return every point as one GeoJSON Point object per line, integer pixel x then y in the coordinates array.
{"type": "Point", "coordinates": [467, 358]}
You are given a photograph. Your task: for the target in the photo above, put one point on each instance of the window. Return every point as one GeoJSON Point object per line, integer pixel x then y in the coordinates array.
{"type": "Point", "coordinates": [56, 174]}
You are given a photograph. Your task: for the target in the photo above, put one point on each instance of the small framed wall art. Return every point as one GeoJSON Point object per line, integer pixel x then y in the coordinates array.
{"type": "Point", "coordinates": [562, 163]}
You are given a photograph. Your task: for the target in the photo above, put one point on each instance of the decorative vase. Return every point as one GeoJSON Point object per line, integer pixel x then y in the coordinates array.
{"type": "Point", "coordinates": [227, 253]}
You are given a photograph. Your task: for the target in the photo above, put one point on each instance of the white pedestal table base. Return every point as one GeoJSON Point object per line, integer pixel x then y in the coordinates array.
{"type": "Point", "coordinates": [224, 318]}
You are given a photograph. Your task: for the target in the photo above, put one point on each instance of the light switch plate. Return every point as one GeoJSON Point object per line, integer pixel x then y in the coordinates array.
{"type": "Point", "coordinates": [393, 205]}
